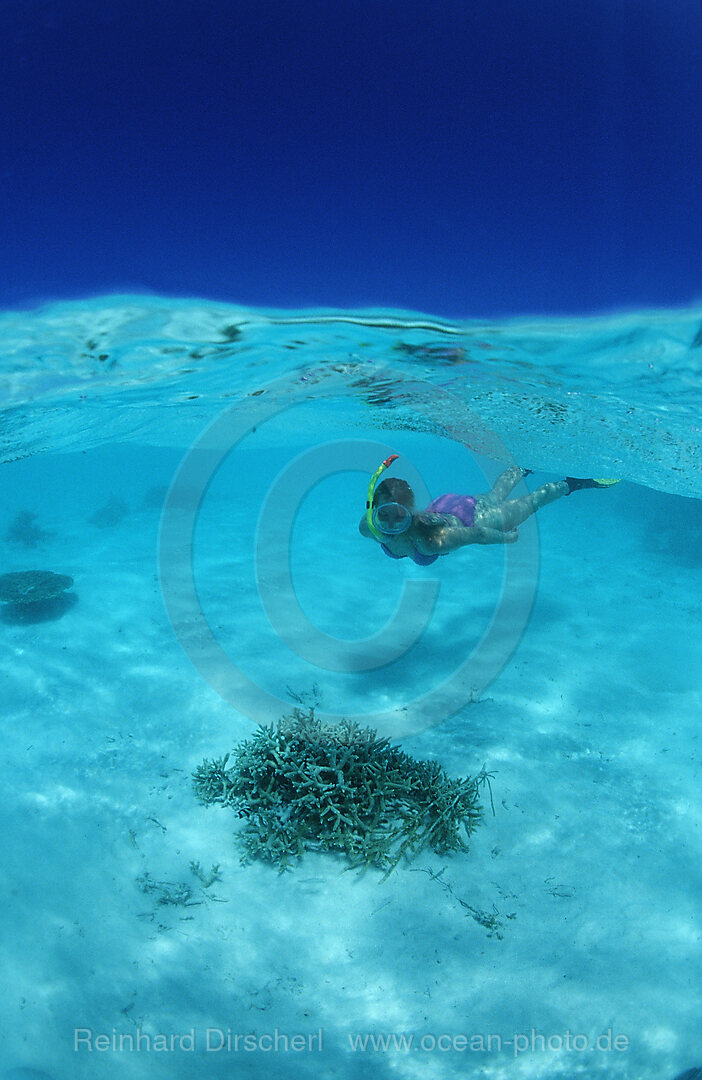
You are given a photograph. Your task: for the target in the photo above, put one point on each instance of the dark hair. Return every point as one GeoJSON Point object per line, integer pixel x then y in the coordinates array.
{"type": "Point", "coordinates": [394, 490]}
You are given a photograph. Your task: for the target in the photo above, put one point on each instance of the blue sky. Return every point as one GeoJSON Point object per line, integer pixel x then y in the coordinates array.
{"type": "Point", "coordinates": [451, 156]}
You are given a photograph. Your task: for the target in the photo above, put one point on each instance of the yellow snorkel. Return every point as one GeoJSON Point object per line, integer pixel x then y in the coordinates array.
{"type": "Point", "coordinates": [371, 492]}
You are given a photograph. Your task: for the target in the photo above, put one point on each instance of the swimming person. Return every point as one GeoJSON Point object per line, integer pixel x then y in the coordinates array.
{"type": "Point", "coordinates": [452, 521]}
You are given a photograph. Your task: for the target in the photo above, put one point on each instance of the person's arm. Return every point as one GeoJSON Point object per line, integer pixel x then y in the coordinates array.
{"type": "Point", "coordinates": [495, 536]}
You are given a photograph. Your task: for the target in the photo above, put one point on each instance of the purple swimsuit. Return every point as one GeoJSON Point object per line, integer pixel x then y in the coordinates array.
{"type": "Point", "coordinates": [458, 506]}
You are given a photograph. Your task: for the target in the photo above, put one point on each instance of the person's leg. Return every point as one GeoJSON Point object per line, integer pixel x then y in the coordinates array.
{"type": "Point", "coordinates": [506, 482]}
{"type": "Point", "coordinates": [512, 512]}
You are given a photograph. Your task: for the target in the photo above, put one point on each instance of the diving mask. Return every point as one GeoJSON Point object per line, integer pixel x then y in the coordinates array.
{"type": "Point", "coordinates": [392, 518]}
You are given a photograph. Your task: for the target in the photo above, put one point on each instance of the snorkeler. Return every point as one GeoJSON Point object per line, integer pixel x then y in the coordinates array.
{"type": "Point", "coordinates": [452, 521]}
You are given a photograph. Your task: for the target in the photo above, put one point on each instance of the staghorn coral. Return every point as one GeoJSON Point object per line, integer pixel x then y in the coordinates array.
{"type": "Point", "coordinates": [300, 785]}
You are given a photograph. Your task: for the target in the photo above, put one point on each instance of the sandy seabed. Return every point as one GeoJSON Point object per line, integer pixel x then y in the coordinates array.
{"type": "Point", "coordinates": [565, 944]}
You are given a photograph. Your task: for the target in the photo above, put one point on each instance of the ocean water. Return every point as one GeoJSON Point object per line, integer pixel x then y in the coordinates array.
{"type": "Point", "coordinates": [200, 471]}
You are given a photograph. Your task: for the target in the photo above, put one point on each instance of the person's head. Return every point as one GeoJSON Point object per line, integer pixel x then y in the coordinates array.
{"type": "Point", "coordinates": [394, 490]}
{"type": "Point", "coordinates": [393, 505]}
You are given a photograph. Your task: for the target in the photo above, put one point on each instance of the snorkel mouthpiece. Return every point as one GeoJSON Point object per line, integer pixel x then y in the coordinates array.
{"type": "Point", "coordinates": [371, 492]}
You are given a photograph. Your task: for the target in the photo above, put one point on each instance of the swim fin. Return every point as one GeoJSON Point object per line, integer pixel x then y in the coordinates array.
{"type": "Point", "coordinates": [576, 484]}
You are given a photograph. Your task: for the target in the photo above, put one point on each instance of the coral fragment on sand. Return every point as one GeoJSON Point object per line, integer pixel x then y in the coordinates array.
{"type": "Point", "coordinates": [32, 586]}
{"type": "Point", "coordinates": [24, 530]}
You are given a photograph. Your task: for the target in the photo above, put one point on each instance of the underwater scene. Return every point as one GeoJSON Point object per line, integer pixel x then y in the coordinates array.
{"type": "Point", "coordinates": [311, 772]}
